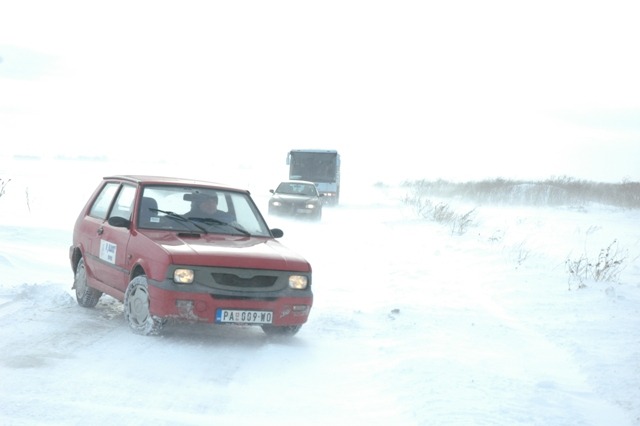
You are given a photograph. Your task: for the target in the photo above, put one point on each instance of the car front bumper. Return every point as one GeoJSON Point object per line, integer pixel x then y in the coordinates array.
{"type": "Point", "coordinates": [293, 210]}
{"type": "Point", "coordinates": [203, 307]}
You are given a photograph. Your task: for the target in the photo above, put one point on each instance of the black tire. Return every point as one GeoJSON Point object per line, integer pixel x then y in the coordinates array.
{"type": "Point", "coordinates": [86, 296]}
{"type": "Point", "coordinates": [284, 330]}
{"type": "Point", "coordinates": [136, 308]}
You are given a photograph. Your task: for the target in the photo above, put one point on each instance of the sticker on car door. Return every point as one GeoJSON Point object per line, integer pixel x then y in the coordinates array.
{"type": "Point", "coordinates": [108, 251]}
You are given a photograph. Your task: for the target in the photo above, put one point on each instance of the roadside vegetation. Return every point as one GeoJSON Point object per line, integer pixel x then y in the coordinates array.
{"type": "Point", "coordinates": [441, 212]}
{"type": "Point", "coordinates": [606, 266]}
{"type": "Point", "coordinates": [550, 192]}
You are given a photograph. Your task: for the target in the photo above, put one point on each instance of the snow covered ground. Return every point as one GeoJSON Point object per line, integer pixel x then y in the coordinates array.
{"type": "Point", "coordinates": [411, 325]}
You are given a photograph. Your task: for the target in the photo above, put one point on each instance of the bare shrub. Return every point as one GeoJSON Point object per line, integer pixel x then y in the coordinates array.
{"type": "Point", "coordinates": [578, 270]}
{"type": "Point", "coordinates": [609, 263]}
{"type": "Point", "coordinates": [3, 186]}
{"type": "Point", "coordinates": [521, 253]}
{"type": "Point", "coordinates": [462, 222]}
{"type": "Point", "coordinates": [26, 195]}
{"type": "Point", "coordinates": [605, 268]}
{"type": "Point", "coordinates": [442, 212]}
{"type": "Point", "coordinates": [421, 206]}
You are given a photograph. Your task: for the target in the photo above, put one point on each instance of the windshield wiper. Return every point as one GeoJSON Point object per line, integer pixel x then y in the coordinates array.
{"type": "Point", "coordinates": [240, 229]}
{"type": "Point", "coordinates": [211, 221]}
{"type": "Point", "coordinates": [179, 218]}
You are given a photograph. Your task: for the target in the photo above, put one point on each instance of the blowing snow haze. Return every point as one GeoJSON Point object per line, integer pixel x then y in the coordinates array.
{"type": "Point", "coordinates": [447, 328]}
{"type": "Point", "coordinates": [403, 90]}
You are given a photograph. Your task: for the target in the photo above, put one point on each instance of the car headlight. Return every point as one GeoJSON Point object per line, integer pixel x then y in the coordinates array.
{"type": "Point", "coordinates": [311, 206]}
{"type": "Point", "coordinates": [299, 282]}
{"type": "Point", "coordinates": [183, 276]}
{"type": "Point", "coordinates": [276, 203]}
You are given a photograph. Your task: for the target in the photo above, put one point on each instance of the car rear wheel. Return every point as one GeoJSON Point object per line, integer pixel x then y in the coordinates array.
{"type": "Point", "coordinates": [136, 308]}
{"type": "Point", "coordinates": [285, 330]}
{"type": "Point", "coordinates": [86, 296]}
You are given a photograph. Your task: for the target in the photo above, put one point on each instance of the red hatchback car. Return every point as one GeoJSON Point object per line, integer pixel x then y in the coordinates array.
{"type": "Point", "coordinates": [173, 248]}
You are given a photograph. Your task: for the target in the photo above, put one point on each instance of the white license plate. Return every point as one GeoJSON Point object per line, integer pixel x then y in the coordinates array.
{"type": "Point", "coordinates": [243, 317]}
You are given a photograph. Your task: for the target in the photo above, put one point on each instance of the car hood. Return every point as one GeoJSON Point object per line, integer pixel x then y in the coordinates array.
{"type": "Point", "coordinates": [229, 251]}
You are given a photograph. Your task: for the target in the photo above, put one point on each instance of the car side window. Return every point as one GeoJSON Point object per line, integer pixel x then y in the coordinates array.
{"type": "Point", "coordinates": [124, 202]}
{"type": "Point", "coordinates": [101, 205]}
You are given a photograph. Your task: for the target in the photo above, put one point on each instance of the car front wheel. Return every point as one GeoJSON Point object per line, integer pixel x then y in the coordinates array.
{"type": "Point", "coordinates": [86, 296]}
{"type": "Point", "coordinates": [136, 308]}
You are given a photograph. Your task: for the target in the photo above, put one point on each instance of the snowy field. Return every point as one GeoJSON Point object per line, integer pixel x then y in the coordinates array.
{"type": "Point", "coordinates": [411, 325]}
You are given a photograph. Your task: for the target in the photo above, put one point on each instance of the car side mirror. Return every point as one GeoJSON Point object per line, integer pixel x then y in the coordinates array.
{"type": "Point", "coordinates": [276, 232]}
{"type": "Point", "coordinates": [271, 191]}
{"type": "Point", "coordinates": [119, 222]}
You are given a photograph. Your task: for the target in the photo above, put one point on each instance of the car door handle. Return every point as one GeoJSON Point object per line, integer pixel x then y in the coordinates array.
{"type": "Point", "coordinates": [100, 230]}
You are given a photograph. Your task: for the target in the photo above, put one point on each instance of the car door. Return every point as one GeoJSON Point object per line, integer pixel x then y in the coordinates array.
{"type": "Point", "coordinates": [111, 247]}
{"type": "Point", "coordinates": [92, 227]}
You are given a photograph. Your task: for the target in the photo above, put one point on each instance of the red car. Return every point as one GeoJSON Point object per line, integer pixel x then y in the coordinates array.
{"type": "Point", "coordinates": [190, 250]}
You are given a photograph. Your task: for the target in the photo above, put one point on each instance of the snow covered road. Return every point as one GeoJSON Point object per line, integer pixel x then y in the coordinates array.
{"type": "Point", "coordinates": [411, 325]}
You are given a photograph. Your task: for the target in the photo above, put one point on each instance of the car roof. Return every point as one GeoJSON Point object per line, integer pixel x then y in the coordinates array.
{"type": "Point", "coordinates": [299, 181]}
{"type": "Point", "coordinates": [327, 151]}
{"type": "Point", "coordinates": [167, 180]}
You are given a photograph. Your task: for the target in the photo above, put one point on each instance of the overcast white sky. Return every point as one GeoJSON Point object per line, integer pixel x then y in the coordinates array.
{"type": "Point", "coordinates": [454, 90]}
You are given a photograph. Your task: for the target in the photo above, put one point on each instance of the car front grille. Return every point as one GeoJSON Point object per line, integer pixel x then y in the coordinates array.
{"type": "Point", "coordinates": [233, 280]}
{"type": "Point", "coordinates": [293, 206]}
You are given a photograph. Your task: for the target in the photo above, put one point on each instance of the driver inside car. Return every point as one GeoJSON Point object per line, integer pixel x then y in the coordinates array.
{"type": "Point", "coordinates": [205, 206]}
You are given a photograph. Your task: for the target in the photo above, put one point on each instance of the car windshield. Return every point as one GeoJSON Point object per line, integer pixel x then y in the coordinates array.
{"type": "Point", "coordinates": [294, 188]}
{"type": "Point", "coordinates": [200, 209]}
